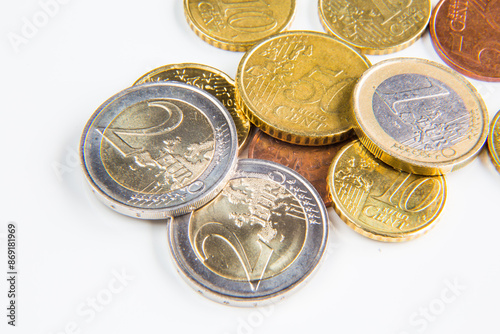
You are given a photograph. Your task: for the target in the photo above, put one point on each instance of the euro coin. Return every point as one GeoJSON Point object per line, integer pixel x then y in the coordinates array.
{"type": "Point", "coordinates": [159, 150]}
{"type": "Point", "coordinates": [259, 239]}
{"type": "Point", "coordinates": [237, 25]}
{"type": "Point", "coordinates": [296, 87]}
{"type": "Point", "coordinates": [381, 202]}
{"type": "Point", "coordinates": [376, 26]}
{"type": "Point", "coordinates": [466, 35]}
{"type": "Point", "coordinates": [419, 116]}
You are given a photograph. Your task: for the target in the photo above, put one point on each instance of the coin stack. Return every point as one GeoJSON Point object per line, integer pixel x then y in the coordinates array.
{"type": "Point", "coordinates": [247, 231]}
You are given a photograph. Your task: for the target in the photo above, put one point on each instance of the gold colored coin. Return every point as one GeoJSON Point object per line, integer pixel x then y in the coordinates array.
{"type": "Point", "coordinates": [296, 87]}
{"type": "Point", "coordinates": [212, 80]}
{"type": "Point", "coordinates": [381, 202]}
{"type": "Point", "coordinates": [494, 141]}
{"type": "Point", "coordinates": [237, 25]}
{"type": "Point", "coordinates": [419, 116]}
{"type": "Point", "coordinates": [376, 26]}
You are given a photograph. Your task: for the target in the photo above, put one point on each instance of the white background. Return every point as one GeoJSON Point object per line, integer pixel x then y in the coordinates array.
{"type": "Point", "coordinates": [71, 246]}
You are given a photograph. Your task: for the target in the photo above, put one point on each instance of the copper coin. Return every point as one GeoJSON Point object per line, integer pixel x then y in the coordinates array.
{"type": "Point", "coordinates": [312, 162]}
{"type": "Point", "coordinates": [466, 35]}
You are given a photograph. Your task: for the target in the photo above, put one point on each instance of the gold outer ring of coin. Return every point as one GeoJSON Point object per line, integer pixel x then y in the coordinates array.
{"type": "Point", "coordinates": [494, 141]}
{"type": "Point", "coordinates": [418, 14]}
{"type": "Point", "coordinates": [380, 202]}
{"type": "Point", "coordinates": [296, 87]}
{"type": "Point", "coordinates": [254, 22]}
{"type": "Point", "coordinates": [217, 83]}
{"type": "Point", "coordinates": [461, 150]}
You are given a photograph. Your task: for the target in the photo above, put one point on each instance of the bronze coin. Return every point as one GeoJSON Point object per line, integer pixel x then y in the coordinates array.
{"type": "Point", "coordinates": [312, 162]}
{"type": "Point", "coordinates": [466, 35]}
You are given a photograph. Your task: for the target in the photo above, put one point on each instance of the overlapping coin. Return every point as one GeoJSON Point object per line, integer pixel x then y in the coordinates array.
{"type": "Point", "coordinates": [466, 35]}
{"type": "Point", "coordinates": [211, 80]}
{"type": "Point", "coordinates": [376, 26]}
{"type": "Point", "coordinates": [237, 25]}
{"type": "Point", "coordinates": [260, 238]}
{"type": "Point", "coordinates": [159, 150]}
{"type": "Point", "coordinates": [419, 116]}
{"type": "Point", "coordinates": [381, 202]}
{"type": "Point", "coordinates": [296, 87]}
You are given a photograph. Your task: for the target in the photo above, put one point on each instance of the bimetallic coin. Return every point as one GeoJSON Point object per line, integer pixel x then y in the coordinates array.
{"type": "Point", "coordinates": [237, 25]}
{"type": "Point", "coordinates": [261, 237]}
{"type": "Point", "coordinates": [296, 87]}
{"type": "Point", "coordinates": [494, 141]}
{"type": "Point", "coordinates": [419, 116]}
{"type": "Point", "coordinates": [376, 26]}
{"type": "Point", "coordinates": [212, 80]}
{"type": "Point", "coordinates": [310, 162]}
{"type": "Point", "coordinates": [159, 150]}
{"type": "Point", "coordinates": [381, 202]}
{"type": "Point", "coordinates": [466, 35]}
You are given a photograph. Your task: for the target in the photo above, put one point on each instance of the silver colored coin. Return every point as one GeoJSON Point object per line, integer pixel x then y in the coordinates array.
{"type": "Point", "coordinates": [259, 238]}
{"type": "Point", "coordinates": [159, 150]}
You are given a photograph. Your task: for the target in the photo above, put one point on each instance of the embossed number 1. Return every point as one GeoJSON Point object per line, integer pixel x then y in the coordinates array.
{"type": "Point", "coordinates": [406, 190]}
{"type": "Point", "coordinates": [386, 12]}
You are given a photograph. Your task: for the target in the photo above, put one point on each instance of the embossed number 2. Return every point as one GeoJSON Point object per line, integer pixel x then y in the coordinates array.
{"type": "Point", "coordinates": [172, 118]}
{"type": "Point", "coordinates": [222, 233]}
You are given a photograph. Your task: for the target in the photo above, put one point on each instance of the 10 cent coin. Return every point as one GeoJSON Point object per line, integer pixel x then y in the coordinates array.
{"type": "Point", "coordinates": [381, 202]}
{"type": "Point", "coordinates": [237, 25]}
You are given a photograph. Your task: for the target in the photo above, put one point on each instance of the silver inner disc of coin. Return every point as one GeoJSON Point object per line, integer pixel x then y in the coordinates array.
{"type": "Point", "coordinates": [259, 238]}
{"type": "Point", "coordinates": [420, 112]}
{"type": "Point", "coordinates": [159, 149]}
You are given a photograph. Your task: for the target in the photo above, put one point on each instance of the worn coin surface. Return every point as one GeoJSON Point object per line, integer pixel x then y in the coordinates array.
{"type": "Point", "coordinates": [311, 162]}
{"type": "Point", "coordinates": [296, 87]}
{"type": "Point", "coordinates": [237, 25]}
{"type": "Point", "coordinates": [210, 79]}
{"type": "Point", "coordinates": [261, 237]}
{"type": "Point", "coordinates": [381, 202]}
{"type": "Point", "coordinates": [466, 35]}
{"type": "Point", "coordinates": [159, 150]}
{"type": "Point", "coordinates": [494, 141]}
{"type": "Point", "coordinates": [419, 116]}
{"type": "Point", "coordinates": [376, 26]}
